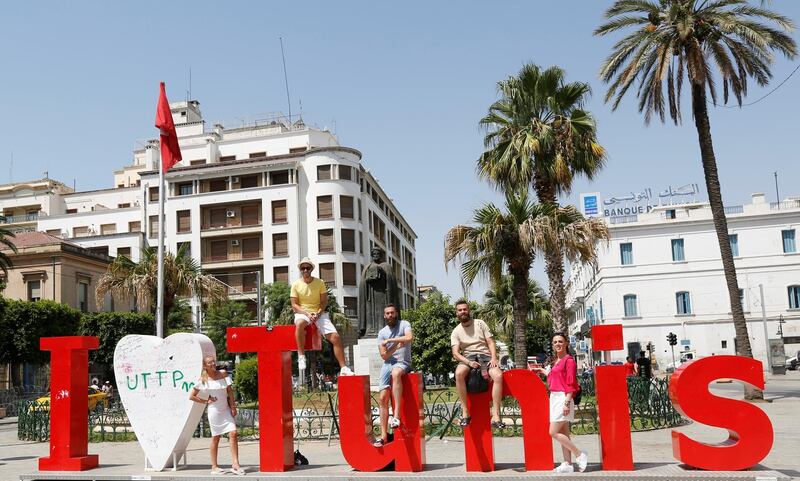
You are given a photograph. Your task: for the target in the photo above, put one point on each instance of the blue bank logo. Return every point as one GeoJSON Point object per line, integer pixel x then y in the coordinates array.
{"type": "Point", "coordinates": [590, 205]}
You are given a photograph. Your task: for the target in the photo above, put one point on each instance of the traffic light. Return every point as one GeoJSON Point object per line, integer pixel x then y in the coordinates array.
{"type": "Point", "coordinates": [672, 339]}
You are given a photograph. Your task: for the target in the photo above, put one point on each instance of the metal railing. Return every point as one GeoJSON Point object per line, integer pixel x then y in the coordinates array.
{"type": "Point", "coordinates": [734, 209]}
{"type": "Point", "coordinates": [316, 415]}
{"type": "Point", "coordinates": [785, 205]}
{"type": "Point", "coordinates": [624, 219]}
{"type": "Point", "coordinates": [10, 398]}
{"type": "Point", "coordinates": [11, 219]}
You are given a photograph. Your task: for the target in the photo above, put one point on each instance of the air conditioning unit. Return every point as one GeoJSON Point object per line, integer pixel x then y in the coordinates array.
{"type": "Point", "coordinates": [230, 213]}
{"type": "Point", "coordinates": [235, 180]}
{"type": "Point", "coordinates": [235, 242]}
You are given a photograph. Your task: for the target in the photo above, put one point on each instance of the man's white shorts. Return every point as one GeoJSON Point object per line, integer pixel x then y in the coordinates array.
{"type": "Point", "coordinates": [324, 323]}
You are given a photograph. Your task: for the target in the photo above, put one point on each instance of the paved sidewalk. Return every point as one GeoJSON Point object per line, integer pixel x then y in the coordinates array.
{"type": "Point", "coordinates": [445, 458]}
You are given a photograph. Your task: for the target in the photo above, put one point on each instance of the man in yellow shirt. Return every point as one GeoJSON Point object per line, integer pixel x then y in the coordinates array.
{"type": "Point", "coordinates": [309, 300]}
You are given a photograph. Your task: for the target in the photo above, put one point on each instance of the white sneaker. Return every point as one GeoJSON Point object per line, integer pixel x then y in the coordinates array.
{"type": "Point", "coordinates": [564, 468]}
{"type": "Point", "coordinates": [345, 371]}
{"type": "Point", "coordinates": [394, 423]}
{"type": "Point", "coordinates": [582, 459]}
{"type": "Point", "coordinates": [301, 363]}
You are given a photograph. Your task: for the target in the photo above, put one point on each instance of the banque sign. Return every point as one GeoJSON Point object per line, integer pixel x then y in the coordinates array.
{"type": "Point", "coordinates": [750, 433]}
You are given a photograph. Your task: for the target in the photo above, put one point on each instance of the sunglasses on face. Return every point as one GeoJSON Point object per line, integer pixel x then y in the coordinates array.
{"type": "Point", "coordinates": [306, 268]}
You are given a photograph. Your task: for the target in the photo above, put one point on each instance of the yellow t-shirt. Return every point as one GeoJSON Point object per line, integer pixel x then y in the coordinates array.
{"type": "Point", "coordinates": [308, 294]}
{"type": "Point", "coordinates": [471, 340]}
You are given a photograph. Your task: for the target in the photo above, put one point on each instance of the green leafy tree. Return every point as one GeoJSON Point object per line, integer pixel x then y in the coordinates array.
{"type": "Point", "coordinates": [179, 318]}
{"type": "Point", "coordinates": [110, 327]}
{"type": "Point", "coordinates": [246, 379]}
{"type": "Point", "coordinates": [498, 307]}
{"type": "Point", "coordinates": [432, 322]}
{"type": "Point", "coordinates": [219, 318]}
{"type": "Point", "coordinates": [539, 134]}
{"type": "Point", "coordinates": [277, 302]}
{"type": "Point", "coordinates": [183, 277]}
{"type": "Point", "coordinates": [6, 244]}
{"type": "Point", "coordinates": [706, 43]}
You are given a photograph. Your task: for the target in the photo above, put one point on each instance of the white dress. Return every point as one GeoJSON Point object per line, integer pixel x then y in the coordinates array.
{"type": "Point", "coordinates": [220, 418]}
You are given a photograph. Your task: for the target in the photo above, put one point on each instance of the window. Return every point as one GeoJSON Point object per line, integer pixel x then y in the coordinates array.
{"type": "Point", "coordinates": [325, 237]}
{"type": "Point", "coordinates": [345, 172]}
{"type": "Point", "coordinates": [280, 274]}
{"type": "Point", "coordinates": [185, 188]}
{"type": "Point", "coordinates": [218, 217]}
{"type": "Point", "coordinates": [83, 296]}
{"type": "Point", "coordinates": [670, 213]}
{"type": "Point", "coordinates": [279, 178]}
{"type": "Point", "coordinates": [794, 297]}
{"type": "Point", "coordinates": [327, 272]}
{"type": "Point", "coordinates": [72, 211]}
{"type": "Point", "coordinates": [323, 172]}
{"type": "Point", "coordinates": [217, 185]}
{"type": "Point", "coordinates": [348, 240]}
{"type": "Point", "coordinates": [626, 253]}
{"type": "Point", "coordinates": [153, 194]}
{"type": "Point", "coordinates": [349, 274]}
{"type": "Point", "coordinates": [345, 207]}
{"type": "Point", "coordinates": [187, 246]}
{"type": "Point", "coordinates": [251, 248]}
{"type": "Point", "coordinates": [250, 214]}
{"type": "Point", "coordinates": [227, 158]}
{"type": "Point", "coordinates": [788, 241]}
{"type": "Point", "coordinates": [257, 155]}
{"type": "Point", "coordinates": [351, 306]}
{"type": "Point", "coordinates": [80, 231]}
{"type": "Point", "coordinates": [279, 212]}
{"type": "Point", "coordinates": [325, 207]}
{"type": "Point", "coordinates": [677, 250]}
{"type": "Point", "coordinates": [184, 220]}
{"type": "Point", "coordinates": [153, 226]}
{"type": "Point", "coordinates": [280, 245]}
{"type": "Point", "coordinates": [724, 344]}
{"type": "Point", "coordinates": [124, 251]}
{"type": "Point", "coordinates": [741, 299]}
{"type": "Point", "coordinates": [197, 162]}
{"type": "Point", "coordinates": [54, 232]}
{"type": "Point", "coordinates": [34, 290]}
{"type": "Point", "coordinates": [248, 181]}
{"type": "Point", "coordinates": [124, 205]}
{"type": "Point", "coordinates": [108, 229]}
{"type": "Point", "coordinates": [734, 240]}
{"type": "Point", "coordinates": [219, 250]}
{"type": "Point", "coordinates": [684, 305]}
{"type": "Point", "coordinates": [630, 305]}
{"type": "Point", "coordinates": [134, 226]}
{"type": "Point", "coordinates": [297, 150]}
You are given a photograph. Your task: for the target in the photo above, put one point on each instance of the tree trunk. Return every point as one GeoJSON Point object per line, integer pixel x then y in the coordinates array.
{"type": "Point", "coordinates": [700, 111]}
{"type": "Point", "coordinates": [554, 265]}
{"type": "Point", "coordinates": [520, 317]}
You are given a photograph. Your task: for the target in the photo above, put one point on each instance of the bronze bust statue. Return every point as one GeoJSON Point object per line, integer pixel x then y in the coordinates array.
{"type": "Point", "coordinates": [376, 288]}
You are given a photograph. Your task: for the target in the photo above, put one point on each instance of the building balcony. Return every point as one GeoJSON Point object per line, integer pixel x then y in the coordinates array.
{"type": "Point", "coordinates": [232, 256]}
{"type": "Point", "coordinates": [220, 220]}
{"type": "Point", "coordinates": [20, 218]}
{"type": "Point", "coordinates": [231, 252]}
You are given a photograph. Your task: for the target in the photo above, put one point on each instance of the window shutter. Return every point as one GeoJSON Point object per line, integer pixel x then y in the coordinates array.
{"type": "Point", "coordinates": [280, 244]}
{"type": "Point", "coordinates": [280, 274]}
{"type": "Point", "coordinates": [345, 172]}
{"type": "Point", "coordinates": [184, 221]}
{"type": "Point", "coordinates": [327, 272]}
{"type": "Point", "coordinates": [218, 217]}
{"type": "Point", "coordinates": [278, 211]}
{"type": "Point", "coordinates": [219, 250]}
{"type": "Point", "coordinates": [250, 214]}
{"type": "Point", "coordinates": [348, 240]}
{"type": "Point", "coordinates": [346, 207]}
{"type": "Point", "coordinates": [250, 248]}
{"type": "Point", "coordinates": [249, 282]}
{"type": "Point", "coordinates": [326, 240]}
{"type": "Point", "coordinates": [323, 172]}
{"type": "Point", "coordinates": [325, 207]}
{"type": "Point", "coordinates": [348, 273]}
{"type": "Point", "coordinates": [134, 226]}
{"type": "Point", "coordinates": [153, 226]}
{"type": "Point", "coordinates": [108, 229]}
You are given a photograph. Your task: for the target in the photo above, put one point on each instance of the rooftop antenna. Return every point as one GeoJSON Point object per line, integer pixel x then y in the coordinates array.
{"type": "Point", "coordinates": [11, 169]}
{"type": "Point", "coordinates": [286, 81]}
{"type": "Point", "coordinates": [189, 92]}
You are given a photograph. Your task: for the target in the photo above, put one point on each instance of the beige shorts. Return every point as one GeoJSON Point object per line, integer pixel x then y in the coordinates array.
{"type": "Point", "coordinates": [323, 323]}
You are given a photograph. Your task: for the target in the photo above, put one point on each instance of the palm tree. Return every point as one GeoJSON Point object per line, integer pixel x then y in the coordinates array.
{"type": "Point", "coordinates": [5, 260]}
{"type": "Point", "coordinates": [498, 307]}
{"type": "Point", "coordinates": [705, 42]}
{"type": "Point", "coordinates": [182, 277]}
{"type": "Point", "coordinates": [539, 134]}
{"type": "Point", "coordinates": [496, 242]}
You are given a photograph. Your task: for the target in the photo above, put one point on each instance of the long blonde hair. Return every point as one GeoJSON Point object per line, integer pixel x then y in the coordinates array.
{"type": "Point", "coordinates": [203, 373]}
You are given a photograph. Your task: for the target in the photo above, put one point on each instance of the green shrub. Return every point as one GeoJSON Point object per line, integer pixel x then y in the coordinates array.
{"type": "Point", "coordinates": [110, 327]}
{"type": "Point", "coordinates": [246, 379]}
{"type": "Point", "coordinates": [22, 323]}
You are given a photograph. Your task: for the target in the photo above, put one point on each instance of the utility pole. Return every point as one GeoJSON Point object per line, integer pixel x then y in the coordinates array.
{"type": "Point", "coordinates": [777, 194]}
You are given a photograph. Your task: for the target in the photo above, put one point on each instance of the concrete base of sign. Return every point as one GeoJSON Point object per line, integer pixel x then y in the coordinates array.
{"type": "Point", "coordinates": [175, 464]}
{"type": "Point", "coordinates": [367, 361]}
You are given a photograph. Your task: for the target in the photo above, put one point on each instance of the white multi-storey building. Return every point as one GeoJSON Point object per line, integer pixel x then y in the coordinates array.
{"type": "Point", "coordinates": [662, 273]}
{"type": "Point", "coordinates": [248, 201]}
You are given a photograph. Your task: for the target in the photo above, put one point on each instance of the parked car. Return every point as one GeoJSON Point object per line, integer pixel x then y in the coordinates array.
{"type": "Point", "coordinates": [792, 363]}
{"type": "Point", "coordinates": [95, 396]}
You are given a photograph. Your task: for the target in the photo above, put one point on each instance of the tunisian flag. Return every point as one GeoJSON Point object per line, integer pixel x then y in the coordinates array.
{"type": "Point", "coordinates": [170, 151]}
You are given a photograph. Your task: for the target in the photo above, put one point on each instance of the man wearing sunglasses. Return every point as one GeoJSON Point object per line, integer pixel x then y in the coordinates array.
{"type": "Point", "coordinates": [309, 299]}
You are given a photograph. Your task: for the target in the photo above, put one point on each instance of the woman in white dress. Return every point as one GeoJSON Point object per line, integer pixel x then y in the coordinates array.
{"type": "Point", "coordinates": [221, 411]}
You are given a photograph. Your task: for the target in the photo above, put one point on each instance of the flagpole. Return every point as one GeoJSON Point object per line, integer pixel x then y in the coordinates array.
{"type": "Point", "coordinates": [160, 295]}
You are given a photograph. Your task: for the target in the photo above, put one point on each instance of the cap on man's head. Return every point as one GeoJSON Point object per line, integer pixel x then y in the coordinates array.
{"type": "Point", "coordinates": [308, 261]}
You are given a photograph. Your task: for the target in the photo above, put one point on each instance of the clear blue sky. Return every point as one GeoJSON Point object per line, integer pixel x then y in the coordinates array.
{"type": "Point", "coordinates": [405, 83]}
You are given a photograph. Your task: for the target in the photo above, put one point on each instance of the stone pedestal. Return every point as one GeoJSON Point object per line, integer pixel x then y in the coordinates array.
{"type": "Point", "coordinates": [367, 361]}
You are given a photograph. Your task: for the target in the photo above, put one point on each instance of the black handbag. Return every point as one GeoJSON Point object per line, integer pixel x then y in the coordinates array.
{"type": "Point", "coordinates": [476, 383]}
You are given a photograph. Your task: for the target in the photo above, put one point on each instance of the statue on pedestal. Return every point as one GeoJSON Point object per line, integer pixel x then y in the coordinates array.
{"type": "Point", "coordinates": [376, 288]}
